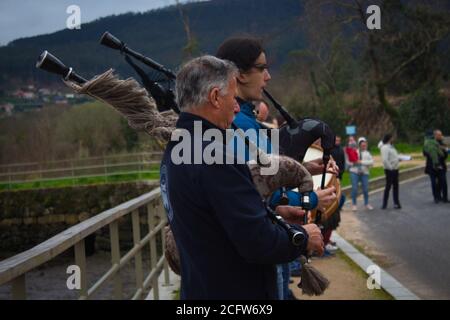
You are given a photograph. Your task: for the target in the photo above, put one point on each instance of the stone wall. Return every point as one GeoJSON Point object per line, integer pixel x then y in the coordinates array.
{"type": "Point", "coordinates": [31, 216]}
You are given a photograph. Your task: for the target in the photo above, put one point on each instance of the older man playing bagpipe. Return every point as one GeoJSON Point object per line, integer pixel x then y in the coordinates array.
{"type": "Point", "coordinates": [129, 99]}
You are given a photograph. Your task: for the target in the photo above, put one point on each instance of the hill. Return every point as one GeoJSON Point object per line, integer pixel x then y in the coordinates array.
{"type": "Point", "coordinates": [158, 34]}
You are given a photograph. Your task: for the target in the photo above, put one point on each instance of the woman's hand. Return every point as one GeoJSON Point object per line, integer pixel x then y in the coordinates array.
{"type": "Point", "coordinates": [315, 166]}
{"type": "Point", "coordinates": [326, 197]}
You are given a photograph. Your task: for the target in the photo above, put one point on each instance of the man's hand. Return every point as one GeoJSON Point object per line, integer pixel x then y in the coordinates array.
{"type": "Point", "coordinates": [315, 167]}
{"type": "Point", "coordinates": [315, 239]}
{"type": "Point", "coordinates": [292, 215]}
{"type": "Point", "coordinates": [326, 197]}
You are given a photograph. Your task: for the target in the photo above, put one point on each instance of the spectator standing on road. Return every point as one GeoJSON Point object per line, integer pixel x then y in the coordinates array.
{"type": "Point", "coordinates": [332, 223]}
{"type": "Point", "coordinates": [359, 172]}
{"type": "Point", "coordinates": [436, 154]}
{"type": "Point", "coordinates": [442, 172]}
{"type": "Point", "coordinates": [391, 160]}
{"type": "Point", "coordinates": [338, 155]}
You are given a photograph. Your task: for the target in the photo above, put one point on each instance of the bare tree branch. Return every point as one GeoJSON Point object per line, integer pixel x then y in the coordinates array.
{"type": "Point", "coordinates": [411, 59]}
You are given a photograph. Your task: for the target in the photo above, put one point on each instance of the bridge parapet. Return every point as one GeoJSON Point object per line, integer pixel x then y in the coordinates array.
{"type": "Point", "coordinates": [14, 269]}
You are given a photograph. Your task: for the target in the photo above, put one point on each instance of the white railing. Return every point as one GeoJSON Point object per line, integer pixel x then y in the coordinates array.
{"type": "Point", "coordinates": [105, 171]}
{"type": "Point", "coordinates": [14, 269]}
{"type": "Point", "coordinates": [106, 166]}
{"type": "Point", "coordinates": [115, 158]}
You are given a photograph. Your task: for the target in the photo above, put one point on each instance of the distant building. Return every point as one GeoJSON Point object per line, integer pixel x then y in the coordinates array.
{"type": "Point", "coordinates": [44, 92]}
{"type": "Point", "coordinates": [7, 108]}
{"type": "Point", "coordinates": [24, 94]}
{"type": "Point", "coordinates": [29, 95]}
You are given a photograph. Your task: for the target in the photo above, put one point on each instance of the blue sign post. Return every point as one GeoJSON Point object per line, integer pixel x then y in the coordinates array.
{"type": "Point", "coordinates": [350, 130]}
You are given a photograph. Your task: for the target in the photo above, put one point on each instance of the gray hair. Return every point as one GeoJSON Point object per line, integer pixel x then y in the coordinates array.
{"type": "Point", "coordinates": [198, 76]}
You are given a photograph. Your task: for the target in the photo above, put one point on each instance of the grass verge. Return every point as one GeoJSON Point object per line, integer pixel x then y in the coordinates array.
{"type": "Point", "coordinates": [70, 182]}
{"type": "Point", "coordinates": [379, 294]}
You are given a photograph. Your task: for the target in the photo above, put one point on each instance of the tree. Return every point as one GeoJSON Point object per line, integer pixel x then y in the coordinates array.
{"type": "Point", "coordinates": [192, 47]}
{"type": "Point", "coordinates": [92, 128]}
{"type": "Point", "coordinates": [409, 34]}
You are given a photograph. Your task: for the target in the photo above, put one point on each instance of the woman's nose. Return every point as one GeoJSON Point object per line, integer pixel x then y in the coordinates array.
{"type": "Point", "coordinates": [267, 76]}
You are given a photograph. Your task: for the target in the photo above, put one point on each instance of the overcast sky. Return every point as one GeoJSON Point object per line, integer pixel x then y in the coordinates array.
{"type": "Point", "coordinates": [25, 18]}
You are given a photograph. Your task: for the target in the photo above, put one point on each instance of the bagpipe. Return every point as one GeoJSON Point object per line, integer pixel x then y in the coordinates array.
{"type": "Point", "coordinates": [159, 84]}
{"type": "Point", "coordinates": [296, 137]}
{"type": "Point", "coordinates": [132, 110]}
{"type": "Point", "coordinates": [157, 113]}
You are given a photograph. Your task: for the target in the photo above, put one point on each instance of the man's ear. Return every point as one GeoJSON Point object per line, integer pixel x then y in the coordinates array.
{"type": "Point", "coordinates": [213, 96]}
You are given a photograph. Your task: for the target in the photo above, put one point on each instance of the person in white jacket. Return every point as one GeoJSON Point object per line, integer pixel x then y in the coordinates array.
{"type": "Point", "coordinates": [359, 172]}
{"type": "Point", "coordinates": [390, 163]}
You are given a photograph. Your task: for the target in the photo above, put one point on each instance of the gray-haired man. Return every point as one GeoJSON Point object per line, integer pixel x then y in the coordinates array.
{"type": "Point", "coordinates": [228, 246]}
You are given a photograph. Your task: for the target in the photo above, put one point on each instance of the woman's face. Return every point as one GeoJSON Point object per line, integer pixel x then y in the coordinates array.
{"type": "Point", "coordinates": [252, 82]}
{"type": "Point", "coordinates": [363, 145]}
{"type": "Point", "coordinates": [351, 142]}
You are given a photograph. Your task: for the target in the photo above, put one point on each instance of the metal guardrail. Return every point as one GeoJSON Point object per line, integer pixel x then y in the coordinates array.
{"type": "Point", "coordinates": [14, 269]}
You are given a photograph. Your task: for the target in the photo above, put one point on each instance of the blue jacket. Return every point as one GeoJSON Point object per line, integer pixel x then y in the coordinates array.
{"type": "Point", "coordinates": [228, 246]}
{"type": "Point", "coordinates": [246, 120]}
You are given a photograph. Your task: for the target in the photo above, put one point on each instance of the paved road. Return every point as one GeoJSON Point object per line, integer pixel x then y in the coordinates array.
{"type": "Point", "coordinates": [412, 244]}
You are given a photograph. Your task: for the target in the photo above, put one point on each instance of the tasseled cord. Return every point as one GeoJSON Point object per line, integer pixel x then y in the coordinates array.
{"type": "Point", "coordinates": [312, 282]}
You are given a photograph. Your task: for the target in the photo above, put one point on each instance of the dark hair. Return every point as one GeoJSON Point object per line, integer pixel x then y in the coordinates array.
{"type": "Point", "coordinates": [386, 138]}
{"type": "Point", "coordinates": [243, 51]}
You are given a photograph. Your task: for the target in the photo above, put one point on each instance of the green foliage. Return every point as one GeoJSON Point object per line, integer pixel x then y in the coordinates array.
{"type": "Point", "coordinates": [61, 132]}
{"type": "Point", "coordinates": [62, 183]}
{"type": "Point", "coordinates": [131, 136]}
{"type": "Point", "coordinates": [94, 127]}
{"type": "Point", "coordinates": [407, 148]}
{"type": "Point", "coordinates": [425, 109]}
{"type": "Point", "coordinates": [402, 147]}
{"type": "Point", "coordinates": [410, 35]}
{"type": "Point", "coordinates": [328, 109]}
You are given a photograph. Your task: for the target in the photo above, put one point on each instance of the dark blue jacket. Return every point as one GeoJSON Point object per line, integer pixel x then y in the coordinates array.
{"type": "Point", "coordinates": [228, 246]}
